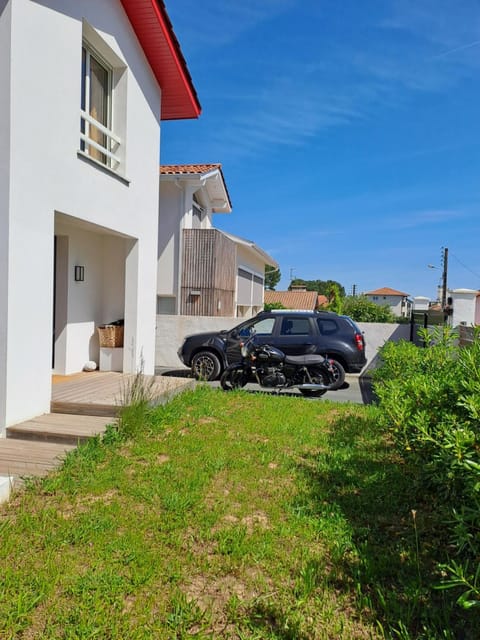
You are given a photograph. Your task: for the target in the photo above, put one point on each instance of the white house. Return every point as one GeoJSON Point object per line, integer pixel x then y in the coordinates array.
{"type": "Point", "coordinates": [203, 271]}
{"type": "Point", "coordinates": [465, 307]}
{"type": "Point", "coordinates": [398, 301]}
{"type": "Point", "coordinates": [85, 85]}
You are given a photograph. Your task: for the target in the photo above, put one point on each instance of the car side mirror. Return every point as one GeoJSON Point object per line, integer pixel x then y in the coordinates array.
{"type": "Point", "coordinates": [234, 334]}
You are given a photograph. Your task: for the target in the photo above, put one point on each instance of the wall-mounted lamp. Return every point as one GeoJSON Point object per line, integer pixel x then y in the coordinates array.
{"type": "Point", "coordinates": [79, 273]}
{"type": "Point", "coordinates": [195, 293]}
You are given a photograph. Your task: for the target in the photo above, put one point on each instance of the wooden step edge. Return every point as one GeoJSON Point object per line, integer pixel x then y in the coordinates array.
{"type": "Point", "coordinates": [85, 409]}
{"type": "Point", "coordinates": [32, 435]}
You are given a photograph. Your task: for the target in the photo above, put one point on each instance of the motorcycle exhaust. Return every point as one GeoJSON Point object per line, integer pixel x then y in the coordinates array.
{"type": "Point", "coordinates": [313, 387]}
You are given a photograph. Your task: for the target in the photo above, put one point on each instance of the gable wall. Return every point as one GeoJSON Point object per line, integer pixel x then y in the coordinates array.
{"type": "Point", "coordinates": [46, 175]}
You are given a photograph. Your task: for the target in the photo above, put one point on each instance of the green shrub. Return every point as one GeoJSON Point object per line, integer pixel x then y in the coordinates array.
{"type": "Point", "coordinates": [429, 399]}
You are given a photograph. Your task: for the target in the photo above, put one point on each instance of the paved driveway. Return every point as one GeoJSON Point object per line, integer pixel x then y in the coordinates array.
{"type": "Point", "coordinates": [356, 389]}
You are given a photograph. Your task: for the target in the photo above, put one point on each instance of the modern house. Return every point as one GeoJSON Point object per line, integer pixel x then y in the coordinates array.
{"type": "Point", "coordinates": [85, 86]}
{"type": "Point", "coordinates": [398, 301]}
{"type": "Point", "coordinates": [203, 271]}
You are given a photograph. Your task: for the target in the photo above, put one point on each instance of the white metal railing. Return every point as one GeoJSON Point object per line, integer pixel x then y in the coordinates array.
{"type": "Point", "coordinates": [112, 141]}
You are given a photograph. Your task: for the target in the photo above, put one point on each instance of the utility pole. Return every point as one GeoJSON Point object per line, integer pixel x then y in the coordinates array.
{"type": "Point", "coordinates": [354, 290]}
{"type": "Point", "coordinates": [444, 277]}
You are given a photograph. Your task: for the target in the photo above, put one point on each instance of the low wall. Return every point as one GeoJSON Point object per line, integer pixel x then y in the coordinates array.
{"type": "Point", "coordinates": [171, 330]}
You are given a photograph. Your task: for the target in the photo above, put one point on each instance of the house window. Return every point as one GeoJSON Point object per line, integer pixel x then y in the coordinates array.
{"type": "Point", "coordinates": [97, 139]}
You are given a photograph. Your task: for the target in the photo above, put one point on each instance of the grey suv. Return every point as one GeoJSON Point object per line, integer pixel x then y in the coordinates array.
{"type": "Point", "coordinates": [294, 332]}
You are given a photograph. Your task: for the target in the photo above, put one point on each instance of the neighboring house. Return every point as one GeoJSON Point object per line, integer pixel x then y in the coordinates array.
{"type": "Point", "coordinates": [464, 307]}
{"type": "Point", "coordinates": [84, 88]}
{"type": "Point", "coordinates": [398, 301]}
{"type": "Point", "coordinates": [421, 303]}
{"type": "Point", "coordinates": [203, 271]}
{"type": "Point", "coordinates": [303, 299]}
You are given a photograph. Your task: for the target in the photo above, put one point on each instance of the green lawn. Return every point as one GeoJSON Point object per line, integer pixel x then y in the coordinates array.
{"type": "Point", "coordinates": [229, 516]}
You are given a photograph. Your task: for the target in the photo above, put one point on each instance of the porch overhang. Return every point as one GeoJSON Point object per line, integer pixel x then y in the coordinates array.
{"type": "Point", "coordinates": [206, 176]}
{"type": "Point", "coordinates": [155, 33]}
{"type": "Point", "coordinates": [258, 251]}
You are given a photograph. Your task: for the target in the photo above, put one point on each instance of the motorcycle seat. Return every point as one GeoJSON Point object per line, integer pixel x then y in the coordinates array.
{"type": "Point", "coordinates": [308, 359]}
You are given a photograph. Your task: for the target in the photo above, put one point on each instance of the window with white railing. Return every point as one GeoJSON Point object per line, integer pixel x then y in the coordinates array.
{"type": "Point", "coordinates": [97, 138]}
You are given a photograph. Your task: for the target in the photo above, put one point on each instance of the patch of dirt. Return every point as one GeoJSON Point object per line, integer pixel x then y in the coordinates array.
{"type": "Point", "coordinates": [207, 420]}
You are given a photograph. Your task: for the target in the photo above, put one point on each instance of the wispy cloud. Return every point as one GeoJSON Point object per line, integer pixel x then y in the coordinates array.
{"type": "Point", "coordinates": [426, 217]}
{"type": "Point", "coordinates": [297, 91]}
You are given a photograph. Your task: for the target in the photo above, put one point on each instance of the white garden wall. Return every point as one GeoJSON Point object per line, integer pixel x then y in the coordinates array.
{"type": "Point", "coordinates": [171, 330]}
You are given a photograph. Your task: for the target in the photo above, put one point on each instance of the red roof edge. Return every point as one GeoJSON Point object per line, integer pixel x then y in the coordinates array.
{"type": "Point", "coordinates": [154, 31]}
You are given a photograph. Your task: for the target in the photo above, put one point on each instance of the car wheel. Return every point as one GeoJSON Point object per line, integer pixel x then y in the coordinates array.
{"type": "Point", "coordinates": [338, 375]}
{"type": "Point", "coordinates": [206, 366]}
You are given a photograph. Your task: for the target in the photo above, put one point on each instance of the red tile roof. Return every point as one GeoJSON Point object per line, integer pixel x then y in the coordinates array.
{"type": "Point", "coordinates": [181, 169]}
{"type": "Point", "coordinates": [386, 291]}
{"type": "Point", "coordinates": [322, 300]}
{"type": "Point", "coordinates": [293, 299]}
{"type": "Point", "coordinates": [155, 33]}
{"type": "Point", "coordinates": [196, 169]}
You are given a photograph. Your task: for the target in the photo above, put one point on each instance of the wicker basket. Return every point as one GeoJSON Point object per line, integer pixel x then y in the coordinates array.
{"type": "Point", "coordinates": [110, 335]}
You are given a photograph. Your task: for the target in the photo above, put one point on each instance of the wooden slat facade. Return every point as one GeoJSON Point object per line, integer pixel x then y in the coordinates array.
{"type": "Point", "coordinates": [209, 271]}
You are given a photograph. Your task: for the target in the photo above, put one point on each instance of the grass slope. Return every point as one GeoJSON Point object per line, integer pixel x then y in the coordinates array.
{"type": "Point", "coordinates": [229, 516]}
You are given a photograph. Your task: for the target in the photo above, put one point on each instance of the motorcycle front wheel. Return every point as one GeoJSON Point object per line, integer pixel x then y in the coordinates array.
{"type": "Point", "coordinates": [233, 379]}
{"type": "Point", "coordinates": [318, 376]}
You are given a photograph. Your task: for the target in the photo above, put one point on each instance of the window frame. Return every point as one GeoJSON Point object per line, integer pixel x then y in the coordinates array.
{"type": "Point", "coordinates": [113, 159]}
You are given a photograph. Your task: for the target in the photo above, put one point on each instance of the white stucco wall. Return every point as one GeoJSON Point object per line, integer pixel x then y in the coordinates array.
{"type": "Point", "coordinates": [171, 215]}
{"type": "Point", "coordinates": [5, 17]}
{"type": "Point", "coordinates": [171, 331]}
{"type": "Point", "coordinates": [464, 306]}
{"type": "Point", "coordinates": [47, 176]}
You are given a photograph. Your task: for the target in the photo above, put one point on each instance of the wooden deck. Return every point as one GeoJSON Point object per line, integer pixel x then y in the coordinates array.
{"type": "Point", "coordinates": [82, 406]}
{"type": "Point", "coordinates": [100, 393]}
{"type": "Point", "coordinates": [23, 458]}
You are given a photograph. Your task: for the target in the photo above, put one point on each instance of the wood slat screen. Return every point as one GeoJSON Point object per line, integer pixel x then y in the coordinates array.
{"type": "Point", "coordinates": [208, 273]}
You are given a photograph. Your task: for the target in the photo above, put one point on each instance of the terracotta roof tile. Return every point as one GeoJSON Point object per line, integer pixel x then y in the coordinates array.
{"type": "Point", "coordinates": [293, 299]}
{"type": "Point", "coordinates": [195, 169]}
{"type": "Point", "coordinates": [182, 169]}
{"type": "Point", "coordinates": [386, 291]}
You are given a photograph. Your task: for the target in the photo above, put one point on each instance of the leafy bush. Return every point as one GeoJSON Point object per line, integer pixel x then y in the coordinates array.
{"type": "Point", "coordinates": [361, 309]}
{"type": "Point", "coordinates": [268, 306]}
{"type": "Point", "coordinates": [430, 401]}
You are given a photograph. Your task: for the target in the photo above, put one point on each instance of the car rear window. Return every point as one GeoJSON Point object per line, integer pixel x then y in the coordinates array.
{"type": "Point", "coordinates": [295, 327]}
{"type": "Point", "coordinates": [327, 327]}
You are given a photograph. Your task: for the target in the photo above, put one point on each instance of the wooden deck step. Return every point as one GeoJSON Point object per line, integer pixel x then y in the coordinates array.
{"type": "Point", "coordinates": [59, 428]}
{"type": "Point", "coordinates": [26, 458]}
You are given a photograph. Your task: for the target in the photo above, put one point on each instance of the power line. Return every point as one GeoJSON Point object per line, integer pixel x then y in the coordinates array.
{"type": "Point", "coordinates": [465, 266]}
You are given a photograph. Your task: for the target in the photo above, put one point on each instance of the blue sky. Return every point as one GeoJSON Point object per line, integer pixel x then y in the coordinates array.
{"type": "Point", "coordinates": [348, 133]}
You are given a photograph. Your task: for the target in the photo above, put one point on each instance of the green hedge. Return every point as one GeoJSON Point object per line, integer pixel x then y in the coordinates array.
{"type": "Point", "coordinates": [429, 399]}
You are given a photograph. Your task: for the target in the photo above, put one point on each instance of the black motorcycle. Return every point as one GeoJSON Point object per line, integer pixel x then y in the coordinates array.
{"type": "Point", "coordinates": [312, 375]}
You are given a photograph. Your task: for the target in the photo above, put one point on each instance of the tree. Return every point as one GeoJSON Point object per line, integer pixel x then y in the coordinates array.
{"type": "Point", "coordinates": [272, 277]}
{"type": "Point", "coordinates": [361, 309]}
{"type": "Point", "coordinates": [268, 306]}
{"type": "Point", "coordinates": [320, 286]}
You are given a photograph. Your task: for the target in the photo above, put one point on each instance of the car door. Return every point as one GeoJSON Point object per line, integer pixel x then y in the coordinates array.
{"type": "Point", "coordinates": [263, 328]}
{"type": "Point", "coordinates": [296, 335]}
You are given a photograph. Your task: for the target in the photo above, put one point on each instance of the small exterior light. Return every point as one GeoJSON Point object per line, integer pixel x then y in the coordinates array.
{"type": "Point", "coordinates": [79, 273]}
{"type": "Point", "coordinates": [195, 293]}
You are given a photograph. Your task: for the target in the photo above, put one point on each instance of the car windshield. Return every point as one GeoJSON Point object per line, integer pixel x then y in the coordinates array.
{"type": "Point", "coordinates": [262, 327]}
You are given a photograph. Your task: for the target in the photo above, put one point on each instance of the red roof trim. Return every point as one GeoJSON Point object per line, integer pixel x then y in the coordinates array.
{"type": "Point", "coordinates": [155, 33]}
